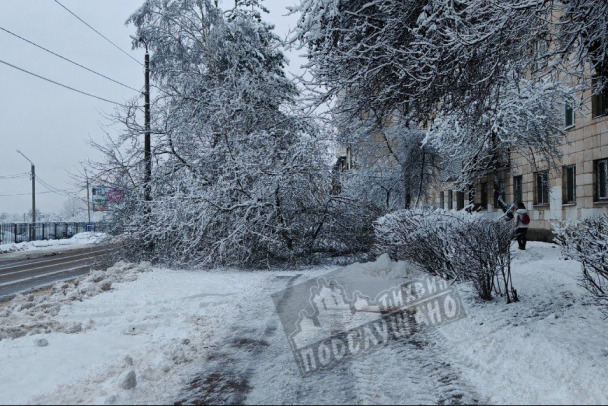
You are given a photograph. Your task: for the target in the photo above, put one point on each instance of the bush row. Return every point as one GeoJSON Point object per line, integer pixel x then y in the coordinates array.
{"type": "Point", "coordinates": [454, 245]}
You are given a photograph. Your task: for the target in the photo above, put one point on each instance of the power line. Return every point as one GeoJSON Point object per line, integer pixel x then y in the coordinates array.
{"type": "Point", "coordinates": [67, 59]}
{"type": "Point", "coordinates": [98, 33]}
{"type": "Point", "coordinates": [24, 194]}
{"type": "Point", "coordinates": [52, 188]}
{"type": "Point", "coordinates": [16, 176]}
{"type": "Point", "coordinates": [61, 84]}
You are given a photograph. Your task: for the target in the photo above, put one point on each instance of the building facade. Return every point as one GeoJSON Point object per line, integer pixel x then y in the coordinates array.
{"type": "Point", "coordinates": [574, 188]}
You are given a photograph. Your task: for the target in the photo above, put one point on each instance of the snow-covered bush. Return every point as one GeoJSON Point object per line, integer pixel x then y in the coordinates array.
{"type": "Point", "coordinates": [454, 245]}
{"type": "Point", "coordinates": [586, 241]}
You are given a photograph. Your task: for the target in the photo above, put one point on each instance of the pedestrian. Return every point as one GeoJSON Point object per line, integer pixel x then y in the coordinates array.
{"type": "Point", "coordinates": [522, 221]}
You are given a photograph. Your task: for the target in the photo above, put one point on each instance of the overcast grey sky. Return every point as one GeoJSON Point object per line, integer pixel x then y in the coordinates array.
{"type": "Point", "coordinates": [52, 125]}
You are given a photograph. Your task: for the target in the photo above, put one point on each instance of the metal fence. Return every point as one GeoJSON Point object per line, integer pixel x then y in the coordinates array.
{"type": "Point", "coordinates": [21, 232]}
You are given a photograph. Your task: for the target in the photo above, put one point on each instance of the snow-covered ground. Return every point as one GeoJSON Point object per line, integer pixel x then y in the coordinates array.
{"type": "Point", "coordinates": [551, 347]}
{"type": "Point", "coordinates": [214, 336]}
{"type": "Point", "coordinates": [76, 240]}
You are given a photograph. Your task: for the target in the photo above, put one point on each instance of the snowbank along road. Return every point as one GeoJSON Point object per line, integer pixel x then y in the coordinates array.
{"type": "Point", "coordinates": [29, 271]}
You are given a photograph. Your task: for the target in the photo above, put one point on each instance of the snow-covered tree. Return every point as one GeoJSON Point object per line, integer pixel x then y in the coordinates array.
{"type": "Point", "coordinates": [239, 175]}
{"type": "Point", "coordinates": [524, 117]}
{"type": "Point", "coordinates": [464, 64]}
{"type": "Point", "coordinates": [390, 54]}
{"type": "Point", "coordinates": [392, 166]}
{"type": "Point", "coordinates": [73, 209]}
{"type": "Point", "coordinates": [580, 33]}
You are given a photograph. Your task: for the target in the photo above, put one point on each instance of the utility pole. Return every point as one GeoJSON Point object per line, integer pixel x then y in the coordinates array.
{"type": "Point", "coordinates": [33, 168]}
{"type": "Point", "coordinates": [88, 198]}
{"type": "Point", "coordinates": [33, 194]}
{"type": "Point", "coordinates": [147, 147]}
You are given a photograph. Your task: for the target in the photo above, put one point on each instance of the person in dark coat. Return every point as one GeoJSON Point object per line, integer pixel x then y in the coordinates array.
{"type": "Point", "coordinates": [522, 221]}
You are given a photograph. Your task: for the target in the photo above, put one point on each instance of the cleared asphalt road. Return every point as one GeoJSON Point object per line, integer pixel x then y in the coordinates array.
{"type": "Point", "coordinates": [22, 274]}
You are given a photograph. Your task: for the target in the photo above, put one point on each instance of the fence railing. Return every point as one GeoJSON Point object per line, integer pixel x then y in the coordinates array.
{"type": "Point", "coordinates": [22, 232]}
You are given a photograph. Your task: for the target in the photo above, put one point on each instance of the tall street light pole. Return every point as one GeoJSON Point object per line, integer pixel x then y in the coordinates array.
{"type": "Point", "coordinates": [33, 187]}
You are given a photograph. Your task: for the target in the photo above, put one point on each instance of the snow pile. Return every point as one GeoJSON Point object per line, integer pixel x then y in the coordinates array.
{"type": "Point", "coordinates": [36, 313]}
{"type": "Point", "coordinates": [88, 237]}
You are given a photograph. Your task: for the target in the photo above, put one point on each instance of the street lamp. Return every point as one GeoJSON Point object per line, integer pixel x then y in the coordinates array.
{"type": "Point", "coordinates": [33, 187]}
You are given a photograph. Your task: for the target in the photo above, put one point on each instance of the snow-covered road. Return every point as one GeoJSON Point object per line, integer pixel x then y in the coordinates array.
{"type": "Point", "coordinates": [17, 275]}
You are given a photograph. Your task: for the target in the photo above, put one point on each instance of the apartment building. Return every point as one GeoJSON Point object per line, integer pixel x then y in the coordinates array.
{"type": "Point", "coordinates": [577, 188]}
{"type": "Point", "coordinates": [574, 187]}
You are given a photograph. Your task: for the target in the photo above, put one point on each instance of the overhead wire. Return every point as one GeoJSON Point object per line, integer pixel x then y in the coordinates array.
{"type": "Point", "coordinates": [53, 189]}
{"type": "Point", "coordinates": [16, 176]}
{"type": "Point", "coordinates": [57, 191]}
{"type": "Point", "coordinates": [98, 33]}
{"type": "Point", "coordinates": [61, 84]}
{"type": "Point", "coordinates": [67, 59]}
{"type": "Point", "coordinates": [49, 188]}
{"type": "Point", "coordinates": [24, 194]}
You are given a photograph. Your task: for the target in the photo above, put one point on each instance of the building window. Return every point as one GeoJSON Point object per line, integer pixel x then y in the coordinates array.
{"type": "Point", "coordinates": [541, 46]}
{"type": "Point", "coordinates": [541, 188]}
{"type": "Point", "coordinates": [599, 101]}
{"type": "Point", "coordinates": [501, 193]}
{"type": "Point", "coordinates": [601, 179]}
{"type": "Point", "coordinates": [350, 164]}
{"type": "Point", "coordinates": [459, 200]}
{"type": "Point", "coordinates": [441, 200]}
{"type": "Point", "coordinates": [569, 184]}
{"type": "Point", "coordinates": [450, 201]}
{"type": "Point", "coordinates": [568, 115]}
{"type": "Point", "coordinates": [484, 195]}
{"type": "Point", "coordinates": [472, 193]}
{"type": "Point", "coordinates": [517, 189]}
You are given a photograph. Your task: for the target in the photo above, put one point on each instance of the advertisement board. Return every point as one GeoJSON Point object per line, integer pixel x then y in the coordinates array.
{"type": "Point", "coordinates": [107, 198]}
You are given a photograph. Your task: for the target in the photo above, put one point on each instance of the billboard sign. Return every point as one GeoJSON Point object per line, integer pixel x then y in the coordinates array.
{"type": "Point", "coordinates": [107, 198]}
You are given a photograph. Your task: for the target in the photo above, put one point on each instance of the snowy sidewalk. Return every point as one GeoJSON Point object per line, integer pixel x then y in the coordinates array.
{"type": "Point", "coordinates": [550, 347]}
{"type": "Point", "coordinates": [160, 321]}
{"type": "Point", "coordinates": [215, 336]}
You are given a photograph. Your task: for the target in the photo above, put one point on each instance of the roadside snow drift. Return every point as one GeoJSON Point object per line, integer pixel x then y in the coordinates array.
{"type": "Point", "coordinates": [88, 237]}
